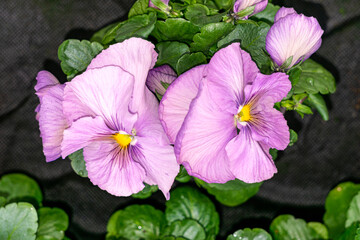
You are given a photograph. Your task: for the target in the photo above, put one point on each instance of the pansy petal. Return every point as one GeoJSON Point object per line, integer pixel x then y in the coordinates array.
{"type": "Point", "coordinates": [136, 56]}
{"type": "Point", "coordinates": [243, 4]}
{"type": "Point", "coordinates": [260, 7]}
{"type": "Point", "coordinates": [107, 92]}
{"type": "Point", "coordinates": [158, 161]}
{"type": "Point", "coordinates": [52, 122]}
{"type": "Point", "coordinates": [230, 69]}
{"type": "Point", "coordinates": [157, 76]}
{"type": "Point", "coordinates": [153, 6]}
{"type": "Point", "coordinates": [175, 103]}
{"type": "Point", "coordinates": [84, 131]}
{"type": "Point", "coordinates": [294, 35]}
{"type": "Point", "coordinates": [45, 79]}
{"type": "Point", "coordinates": [200, 144]}
{"type": "Point", "coordinates": [283, 12]}
{"type": "Point", "coordinates": [250, 160]}
{"type": "Point", "coordinates": [112, 168]}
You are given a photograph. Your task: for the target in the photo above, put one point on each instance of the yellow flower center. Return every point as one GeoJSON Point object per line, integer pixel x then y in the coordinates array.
{"type": "Point", "coordinates": [122, 139]}
{"type": "Point", "coordinates": [244, 114]}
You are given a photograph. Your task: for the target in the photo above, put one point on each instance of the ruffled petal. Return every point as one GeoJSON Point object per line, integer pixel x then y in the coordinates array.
{"type": "Point", "coordinates": [52, 122]}
{"type": "Point", "coordinates": [158, 161]}
{"type": "Point", "coordinates": [250, 160]}
{"type": "Point", "coordinates": [200, 144]}
{"type": "Point", "coordinates": [229, 70]}
{"type": "Point", "coordinates": [83, 132]}
{"type": "Point", "coordinates": [105, 92]}
{"type": "Point", "coordinates": [134, 55]}
{"type": "Point", "coordinates": [175, 103]}
{"type": "Point", "coordinates": [294, 35]}
{"type": "Point", "coordinates": [45, 79]}
{"type": "Point", "coordinates": [112, 168]}
{"type": "Point", "coordinates": [158, 75]}
{"type": "Point", "coordinates": [283, 12]}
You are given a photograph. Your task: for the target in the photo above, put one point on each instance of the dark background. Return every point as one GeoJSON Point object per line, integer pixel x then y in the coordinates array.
{"type": "Point", "coordinates": [327, 152]}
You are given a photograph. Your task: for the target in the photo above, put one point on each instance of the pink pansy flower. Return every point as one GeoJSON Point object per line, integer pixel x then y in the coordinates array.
{"type": "Point", "coordinates": [293, 37]}
{"type": "Point", "coordinates": [158, 77]}
{"type": "Point", "coordinates": [114, 119]}
{"type": "Point", "coordinates": [257, 5]}
{"type": "Point", "coordinates": [49, 114]}
{"type": "Point", "coordinates": [230, 124]}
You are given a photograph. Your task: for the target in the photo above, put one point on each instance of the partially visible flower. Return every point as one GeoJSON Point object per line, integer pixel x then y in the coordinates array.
{"type": "Point", "coordinates": [115, 121]}
{"type": "Point", "coordinates": [51, 119]}
{"type": "Point", "coordinates": [247, 8]}
{"type": "Point", "coordinates": [160, 77]}
{"type": "Point", "coordinates": [293, 38]}
{"type": "Point", "coordinates": [163, 5]}
{"type": "Point", "coordinates": [231, 123]}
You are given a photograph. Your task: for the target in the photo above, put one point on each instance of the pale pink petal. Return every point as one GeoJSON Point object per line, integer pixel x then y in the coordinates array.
{"type": "Point", "coordinates": [241, 5]}
{"type": "Point", "coordinates": [113, 169]}
{"type": "Point", "coordinates": [52, 122]}
{"type": "Point", "coordinates": [294, 35]}
{"type": "Point", "coordinates": [229, 70]}
{"type": "Point", "coordinates": [200, 144]}
{"type": "Point", "coordinates": [106, 92]}
{"type": "Point", "coordinates": [134, 55]}
{"type": "Point", "coordinates": [159, 163]}
{"type": "Point", "coordinates": [283, 12]}
{"type": "Point", "coordinates": [84, 131]}
{"type": "Point", "coordinates": [175, 103]}
{"type": "Point", "coordinates": [45, 79]}
{"type": "Point", "coordinates": [250, 160]}
{"type": "Point", "coordinates": [159, 75]}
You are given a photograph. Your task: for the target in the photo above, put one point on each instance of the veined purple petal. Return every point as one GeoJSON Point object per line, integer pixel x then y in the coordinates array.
{"type": "Point", "coordinates": [241, 5]}
{"type": "Point", "coordinates": [175, 103]}
{"type": "Point", "coordinates": [45, 79]}
{"type": "Point", "coordinates": [250, 160]}
{"type": "Point", "coordinates": [158, 75]}
{"type": "Point", "coordinates": [105, 92]}
{"type": "Point", "coordinates": [158, 161]}
{"type": "Point", "coordinates": [113, 169]}
{"type": "Point", "coordinates": [134, 55]}
{"type": "Point", "coordinates": [293, 35]}
{"type": "Point", "coordinates": [283, 12]}
{"type": "Point", "coordinates": [200, 143]}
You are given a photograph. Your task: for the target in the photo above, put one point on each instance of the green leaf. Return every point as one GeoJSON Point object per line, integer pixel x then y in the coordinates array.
{"type": "Point", "coordinates": [183, 176]}
{"type": "Point", "coordinates": [250, 234]}
{"type": "Point", "coordinates": [189, 60]}
{"type": "Point", "coordinates": [136, 222]}
{"type": "Point", "coordinates": [99, 35]}
{"type": "Point", "coordinates": [232, 193]}
{"type": "Point", "coordinates": [18, 187]}
{"type": "Point", "coordinates": [294, 75]}
{"type": "Point", "coordinates": [174, 29]}
{"type": "Point", "coordinates": [293, 137]}
{"type": "Point", "coordinates": [350, 233]}
{"type": "Point", "coordinates": [170, 53]}
{"type": "Point", "coordinates": [186, 202]}
{"type": "Point", "coordinates": [274, 153]}
{"type": "Point", "coordinates": [140, 7]}
{"type": "Point", "coordinates": [78, 163]}
{"type": "Point", "coordinates": [2, 201]}
{"type": "Point", "coordinates": [210, 34]}
{"type": "Point", "coordinates": [18, 221]}
{"type": "Point", "coordinates": [286, 227]}
{"type": "Point", "coordinates": [268, 14]}
{"type": "Point", "coordinates": [251, 36]}
{"type": "Point", "coordinates": [353, 213]}
{"type": "Point", "coordinates": [53, 222]}
{"type": "Point", "coordinates": [199, 15]}
{"type": "Point", "coordinates": [303, 109]}
{"type": "Point", "coordinates": [76, 55]}
{"type": "Point", "coordinates": [318, 230]}
{"type": "Point", "coordinates": [314, 79]}
{"type": "Point", "coordinates": [336, 206]}
{"type": "Point", "coordinates": [187, 228]}
{"type": "Point", "coordinates": [146, 192]}
{"type": "Point", "coordinates": [318, 102]}
{"type": "Point", "coordinates": [224, 4]}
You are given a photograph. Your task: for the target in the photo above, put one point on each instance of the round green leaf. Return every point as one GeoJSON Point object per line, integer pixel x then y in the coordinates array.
{"type": "Point", "coordinates": [232, 193]}
{"type": "Point", "coordinates": [336, 205]}
{"type": "Point", "coordinates": [183, 176]}
{"type": "Point", "coordinates": [146, 192]}
{"type": "Point", "coordinates": [353, 213]}
{"type": "Point", "coordinates": [187, 228]}
{"type": "Point", "coordinates": [268, 14]}
{"type": "Point", "coordinates": [250, 234]}
{"type": "Point", "coordinates": [78, 163]}
{"type": "Point", "coordinates": [140, 7]}
{"type": "Point", "coordinates": [189, 60]}
{"type": "Point", "coordinates": [286, 227]}
{"type": "Point", "coordinates": [170, 52]}
{"type": "Point", "coordinates": [186, 202]}
{"type": "Point", "coordinates": [18, 187]}
{"type": "Point", "coordinates": [18, 221]}
{"type": "Point", "coordinates": [53, 222]}
{"type": "Point", "coordinates": [136, 222]}
{"type": "Point", "coordinates": [318, 230]}
{"type": "Point", "coordinates": [351, 233]}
